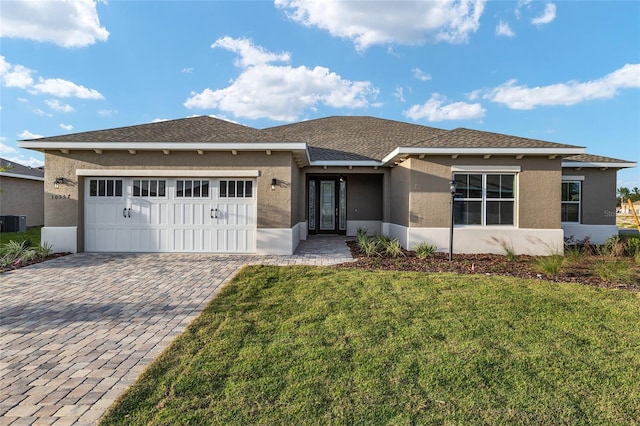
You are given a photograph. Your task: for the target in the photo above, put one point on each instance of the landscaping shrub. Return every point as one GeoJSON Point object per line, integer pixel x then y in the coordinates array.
{"type": "Point", "coordinates": [393, 248]}
{"type": "Point", "coordinates": [424, 250]}
{"type": "Point", "coordinates": [616, 270]}
{"type": "Point", "coordinates": [549, 264]}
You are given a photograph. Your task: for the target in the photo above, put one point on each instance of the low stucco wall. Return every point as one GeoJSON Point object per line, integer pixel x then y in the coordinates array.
{"type": "Point", "coordinates": [22, 197]}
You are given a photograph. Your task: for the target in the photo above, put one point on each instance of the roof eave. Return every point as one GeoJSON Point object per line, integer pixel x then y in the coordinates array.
{"type": "Point", "coordinates": [599, 164]}
{"type": "Point", "coordinates": [406, 151]}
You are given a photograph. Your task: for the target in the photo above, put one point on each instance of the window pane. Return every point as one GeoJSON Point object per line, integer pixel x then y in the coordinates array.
{"type": "Point", "coordinates": [93, 188]}
{"type": "Point", "coordinates": [493, 186]}
{"type": "Point", "coordinates": [205, 188]}
{"type": "Point", "coordinates": [118, 188]}
{"type": "Point", "coordinates": [232, 188]}
{"type": "Point", "coordinates": [145, 188]}
{"type": "Point", "coordinates": [461, 185]}
{"type": "Point", "coordinates": [248, 189]}
{"type": "Point", "coordinates": [162, 184]}
{"type": "Point", "coordinates": [506, 186]}
{"type": "Point", "coordinates": [475, 186]}
{"type": "Point", "coordinates": [102, 188]}
{"type": "Point", "coordinates": [467, 213]}
{"type": "Point", "coordinates": [109, 188]}
{"type": "Point", "coordinates": [180, 189]}
{"type": "Point", "coordinates": [570, 212]}
{"type": "Point", "coordinates": [500, 213]}
{"type": "Point", "coordinates": [153, 188]}
{"type": "Point", "coordinates": [223, 188]}
{"type": "Point", "coordinates": [187, 188]}
{"type": "Point", "coordinates": [196, 188]}
{"type": "Point", "coordinates": [240, 191]}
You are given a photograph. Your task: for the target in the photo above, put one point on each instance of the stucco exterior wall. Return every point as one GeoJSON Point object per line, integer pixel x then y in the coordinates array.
{"type": "Point", "coordinates": [22, 197]}
{"type": "Point", "coordinates": [64, 206]}
{"type": "Point", "coordinates": [598, 204]}
{"type": "Point", "coordinates": [538, 189]}
{"type": "Point", "coordinates": [364, 197]}
{"type": "Point", "coordinates": [399, 185]}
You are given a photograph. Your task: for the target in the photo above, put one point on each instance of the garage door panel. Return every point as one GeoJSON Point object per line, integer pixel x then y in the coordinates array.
{"type": "Point", "coordinates": [162, 219]}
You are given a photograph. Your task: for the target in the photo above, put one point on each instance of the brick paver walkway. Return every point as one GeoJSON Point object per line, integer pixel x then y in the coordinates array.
{"type": "Point", "coordinates": [78, 330]}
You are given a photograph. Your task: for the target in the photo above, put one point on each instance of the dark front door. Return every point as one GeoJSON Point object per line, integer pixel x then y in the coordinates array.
{"type": "Point", "coordinates": [327, 205]}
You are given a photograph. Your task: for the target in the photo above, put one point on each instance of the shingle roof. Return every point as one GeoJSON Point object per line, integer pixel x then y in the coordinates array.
{"type": "Point", "coordinates": [336, 138]}
{"type": "Point", "coordinates": [14, 168]}
{"type": "Point", "coordinates": [589, 158]}
{"type": "Point", "coordinates": [351, 138]}
{"type": "Point", "coordinates": [469, 138]}
{"type": "Point", "coordinates": [193, 129]}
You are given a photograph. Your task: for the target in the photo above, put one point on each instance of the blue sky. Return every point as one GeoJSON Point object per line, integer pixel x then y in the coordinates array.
{"type": "Point", "coordinates": [565, 72]}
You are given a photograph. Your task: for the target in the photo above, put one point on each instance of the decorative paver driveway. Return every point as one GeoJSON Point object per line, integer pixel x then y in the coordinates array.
{"type": "Point", "coordinates": [78, 330]}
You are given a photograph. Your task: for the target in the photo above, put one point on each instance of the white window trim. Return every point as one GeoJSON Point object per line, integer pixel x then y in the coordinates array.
{"type": "Point", "coordinates": [568, 178]}
{"type": "Point", "coordinates": [486, 169]}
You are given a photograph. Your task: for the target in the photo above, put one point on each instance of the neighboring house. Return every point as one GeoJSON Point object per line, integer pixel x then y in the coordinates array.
{"type": "Point", "coordinates": [206, 185]}
{"type": "Point", "coordinates": [22, 192]}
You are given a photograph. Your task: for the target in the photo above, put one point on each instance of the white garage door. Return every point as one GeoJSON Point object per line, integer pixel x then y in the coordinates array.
{"type": "Point", "coordinates": [170, 215]}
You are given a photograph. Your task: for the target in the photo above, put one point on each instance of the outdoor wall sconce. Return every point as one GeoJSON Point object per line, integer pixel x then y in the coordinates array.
{"type": "Point", "coordinates": [57, 182]}
{"type": "Point", "coordinates": [452, 189]}
{"type": "Point", "coordinates": [274, 182]}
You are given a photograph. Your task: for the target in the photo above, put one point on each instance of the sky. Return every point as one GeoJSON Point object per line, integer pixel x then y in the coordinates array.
{"type": "Point", "coordinates": [560, 71]}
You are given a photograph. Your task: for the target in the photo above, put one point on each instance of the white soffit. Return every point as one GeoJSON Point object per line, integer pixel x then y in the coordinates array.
{"type": "Point", "coordinates": [167, 173]}
{"type": "Point", "coordinates": [604, 164]}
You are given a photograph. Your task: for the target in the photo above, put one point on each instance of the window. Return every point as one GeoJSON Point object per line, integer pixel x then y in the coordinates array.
{"type": "Point", "coordinates": [571, 193]}
{"type": "Point", "coordinates": [105, 188]}
{"type": "Point", "coordinates": [192, 188]}
{"type": "Point", "coordinates": [236, 189]}
{"type": "Point", "coordinates": [149, 188]}
{"type": "Point", "coordinates": [484, 199]}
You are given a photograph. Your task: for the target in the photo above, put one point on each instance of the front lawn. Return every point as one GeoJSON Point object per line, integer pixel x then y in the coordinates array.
{"type": "Point", "coordinates": [31, 237]}
{"type": "Point", "coordinates": [304, 345]}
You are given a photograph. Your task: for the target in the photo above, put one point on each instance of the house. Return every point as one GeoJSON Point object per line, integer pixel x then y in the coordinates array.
{"type": "Point", "coordinates": [22, 192]}
{"type": "Point", "coordinates": [203, 184]}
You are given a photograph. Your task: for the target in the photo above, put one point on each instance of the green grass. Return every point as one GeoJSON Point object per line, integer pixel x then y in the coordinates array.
{"type": "Point", "coordinates": [303, 345]}
{"type": "Point", "coordinates": [32, 236]}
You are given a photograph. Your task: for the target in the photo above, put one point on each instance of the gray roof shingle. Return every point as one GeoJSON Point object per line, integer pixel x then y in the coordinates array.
{"type": "Point", "coordinates": [14, 168]}
{"type": "Point", "coordinates": [589, 158]}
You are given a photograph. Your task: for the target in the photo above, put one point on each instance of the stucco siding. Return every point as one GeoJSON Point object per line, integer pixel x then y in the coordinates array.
{"type": "Point", "coordinates": [399, 184]}
{"type": "Point", "coordinates": [538, 187]}
{"type": "Point", "coordinates": [22, 197]}
{"type": "Point", "coordinates": [364, 197]}
{"type": "Point", "coordinates": [598, 204]}
{"type": "Point", "coordinates": [64, 206]}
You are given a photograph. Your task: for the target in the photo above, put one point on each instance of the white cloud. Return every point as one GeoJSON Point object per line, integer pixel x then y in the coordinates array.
{"type": "Point", "coordinates": [263, 90]}
{"type": "Point", "coordinates": [570, 93]}
{"type": "Point", "coordinates": [503, 29]}
{"type": "Point", "coordinates": [28, 135]}
{"type": "Point", "coordinates": [6, 149]}
{"type": "Point", "coordinates": [187, 70]}
{"type": "Point", "coordinates": [420, 75]}
{"type": "Point", "coordinates": [435, 109]}
{"type": "Point", "coordinates": [159, 120]}
{"type": "Point", "coordinates": [38, 111]}
{"type": "Point", "coordinates": [20, 76]}
{"type": "Point", "coordinates": [64, 89]}
{"type": "Point", "coordinates": [399, 94]}
{"type": "Point", "coordinates": [67, 23]}
{"type": "Point", "coordinates": [66, 127]}
{"type": "Point", "coordinates": [384, 22]}
{"type": "Point", "coordinates": [56, 105]}
{"type": "Point", "coordinates": [547, 16]}
{"type": "Point", "coordinates": [107, 112]}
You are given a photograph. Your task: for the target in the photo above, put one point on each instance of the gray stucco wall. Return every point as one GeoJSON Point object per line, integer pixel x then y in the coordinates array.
{"type": "Point", "coordinates": [64, 206]}
{"type": "Point", "coordinates": [598, 204]}
{"type": "Point", "coordinates": [538, 190]}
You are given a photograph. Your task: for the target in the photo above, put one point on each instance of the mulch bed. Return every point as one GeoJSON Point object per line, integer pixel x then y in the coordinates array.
{"type": "Point", "coordinates": [485, 264]}
{"type": "Point", "coordinates": [19, 265]}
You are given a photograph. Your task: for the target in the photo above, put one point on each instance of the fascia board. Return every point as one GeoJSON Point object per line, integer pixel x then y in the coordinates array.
{"type": "Point", "coordinates": [167, 173]}
{"type": "Point", "coordinates": [13, 175]}
{"type": "Point", "coordinates": [482, 151]}
{"type": "Point", "coordinates": [341, 163]}
{"type": "Point", "coordinates": [173, 146]}
{"type": "Point", "coordinates": [598, 164]}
